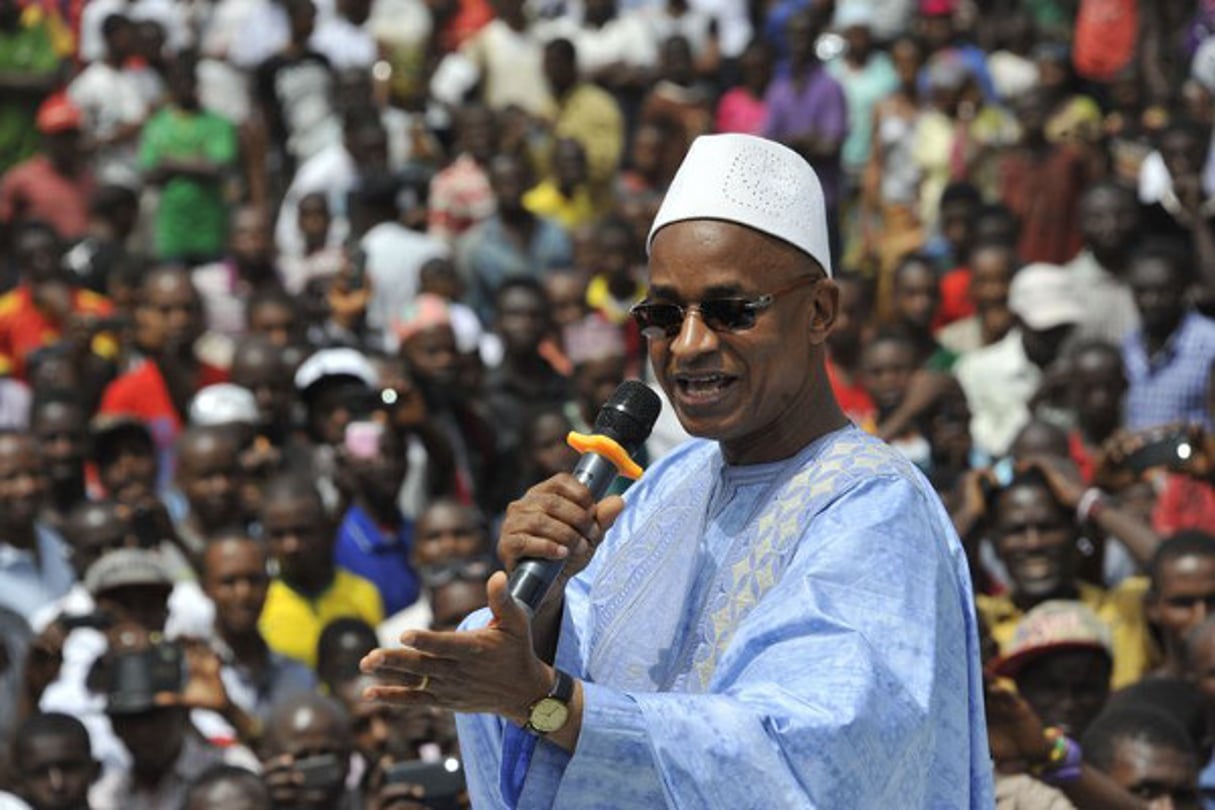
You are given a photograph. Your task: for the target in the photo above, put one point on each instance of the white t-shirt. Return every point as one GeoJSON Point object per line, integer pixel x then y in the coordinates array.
{"type": "Point", "coordinates": [109, 99]}
{"type": "Point", "coordinates": [395, 256]}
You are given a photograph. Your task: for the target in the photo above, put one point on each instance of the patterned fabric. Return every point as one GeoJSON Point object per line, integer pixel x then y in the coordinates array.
{"type": "Point", "coordinates": [795, 634]}
{"type": "Point", "coordinates": [460, 197]}
{"type": "Point", "coordinates": [1171, 385]}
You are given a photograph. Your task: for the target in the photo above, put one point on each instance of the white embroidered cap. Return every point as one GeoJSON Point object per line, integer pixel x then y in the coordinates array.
{"type": "Point", "coordinates": [754, 182]}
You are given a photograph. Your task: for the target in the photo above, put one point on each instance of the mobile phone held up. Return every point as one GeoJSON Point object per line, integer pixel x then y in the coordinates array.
{"type": "Point", "coordinates": [441, 781]}
{"type": "Point", "coordinates": [320, 772]}
{"type": "Point", "coordinates": [1171, 451]}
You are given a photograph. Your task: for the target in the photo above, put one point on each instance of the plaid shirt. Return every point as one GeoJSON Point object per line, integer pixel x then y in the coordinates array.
{"type": "Point", "coordinates": [1171, 385]}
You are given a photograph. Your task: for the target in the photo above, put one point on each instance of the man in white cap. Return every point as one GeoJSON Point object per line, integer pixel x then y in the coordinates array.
{"type": "Point", "coordinates": [781, 614]}
{"type": "Point", "coordinates": [1001, 379]}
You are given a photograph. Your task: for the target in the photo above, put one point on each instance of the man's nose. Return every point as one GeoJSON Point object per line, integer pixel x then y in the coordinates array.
{"type": "Point", "coordinates": [695, 337]}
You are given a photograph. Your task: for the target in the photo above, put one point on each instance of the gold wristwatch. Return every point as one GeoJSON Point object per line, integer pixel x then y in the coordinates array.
{"type": "Point", "coordinates": [550, 713]}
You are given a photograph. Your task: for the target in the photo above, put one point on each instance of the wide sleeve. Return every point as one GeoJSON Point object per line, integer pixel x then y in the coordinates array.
{"type": "Point", "coordinates": [852, 683]}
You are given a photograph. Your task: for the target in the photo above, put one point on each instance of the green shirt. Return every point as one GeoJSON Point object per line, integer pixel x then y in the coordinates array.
{"type": "Point", "coordinates": [28, 49]}
{"type": "Point", "coordinates": [191, 220]}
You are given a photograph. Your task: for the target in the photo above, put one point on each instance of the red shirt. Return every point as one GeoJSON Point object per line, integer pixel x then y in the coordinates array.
{"type": "Point", "coordinates": [142, 393]}
{"type": "Point", "coordinates": [1185, 503]}
{"type": "Point", "coordinates": [853, 399]}
{"type": "Point", "coordinates": [24, 328]}
{"type": "Point", "coordinates": [34, 190]}
{"type": "Point", "coordinates": [956, 302]}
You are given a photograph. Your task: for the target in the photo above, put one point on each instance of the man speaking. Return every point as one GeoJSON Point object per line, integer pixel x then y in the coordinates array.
{"type": "Point", "coordinates": [780, 615]}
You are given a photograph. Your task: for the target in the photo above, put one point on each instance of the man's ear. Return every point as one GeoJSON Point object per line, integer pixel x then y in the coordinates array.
{"type": "Point", "coordinates": [1151, 607]}
{"type": "Point", "coordinates": [824, 306]}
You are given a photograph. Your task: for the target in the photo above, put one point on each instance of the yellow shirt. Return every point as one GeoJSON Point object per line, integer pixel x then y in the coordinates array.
{"type": "Point", "coordinates": [291, 623]}
{"type": "Point", "coordinates": [546, 200]}
{"type": "Point", "coordinates": [1121, 608]}
{"type": "Point", "coordinates": [591, 116]}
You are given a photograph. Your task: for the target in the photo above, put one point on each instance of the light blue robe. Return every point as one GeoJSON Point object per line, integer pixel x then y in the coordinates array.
{"type": "Point", "coordinates": [785, 635]}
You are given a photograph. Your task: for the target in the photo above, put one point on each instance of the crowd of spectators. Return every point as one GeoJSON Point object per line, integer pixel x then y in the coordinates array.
{"type": "Point", "coordinates": [297, 295]}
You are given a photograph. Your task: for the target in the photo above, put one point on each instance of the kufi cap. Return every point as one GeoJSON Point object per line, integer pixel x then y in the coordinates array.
{"type": "Point", "coordinates": [223, 404]}
{"type": "Point", "coordinates": [1052, 626]}
{"type": "Point", "coordinates": [340, 362]}
{"type": "Point", "coordinates": [754, 182]}
{"type": "Point", "coordinates": [127, 567]}
{"type": "Point", "coordinates": [1044, 296]}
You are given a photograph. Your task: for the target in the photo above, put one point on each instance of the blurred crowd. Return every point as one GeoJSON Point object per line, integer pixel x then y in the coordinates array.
{"type": "Point", "coordinates": [298, 295]}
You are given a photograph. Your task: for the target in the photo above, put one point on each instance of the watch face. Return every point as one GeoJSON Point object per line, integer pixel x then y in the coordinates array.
{"type": "Point", "coordinates": [548, 715]}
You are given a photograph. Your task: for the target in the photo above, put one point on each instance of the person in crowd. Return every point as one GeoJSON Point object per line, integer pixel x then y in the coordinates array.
{"type": "Point", "coordinates": [1168, 358]}
{"type": "Point", "coordinates": [1110, 225]}
{"type": "Point", "coordinates": [35, 566]}
{"type": "Point", "coordinates": [209, 477]}
{"type": "Point", "coordinates": [1146, 752]}
{"type": "Point", "coordinates": [245, 267]}
{"type": "Point", "coordinates": [53, 186]}
{"type": "Point", "coordinates": [113, 110]}
{"type": "Point", "coordinates": [890, 185]}
{"type": "Point", "coordinates": [166, 755]}
{"type": "Point", "coordinates": [867, 76]}
{"type": "Point", "coordinates": [1042, 184]}
{"type": "Point", "coordinates": [744, 108]}
{"type": "Point", "coordinates": [320, 258]}
{"type": "Point", "coordinates": [525, 381]}
{"type": "Point", "coordinates": [61, 427]}
{"type": "Point", "coordinates": [187, 152]}
{"type": "Point", "coordinates": [564, 196]}
{"type": "Point", "coordinates": [808, 110]}
{"type": "Point", "coordinates": [307, 755]}
{"type": "Point", "coordinates": [253, 677]}
{"type": "Point", "coordinates": [53, 762]}
{"type": "Point", "coordinates": [992, 264]}
{"type": "Point", "coordinates": [460, 194]}
{"type": "Point", "coordinates": [513, 242]}
{"type": "Point", "coordinates": [1001, 380]}
{"type": "Point", "coordinates": [309, 590]}
{"type": "Point", "coordinates": [159, 387]}
{"type": "Point", "coordinates": [48, 305]}
{"type": "Point", "coordinates": [1033, 527]}
{"type": "Point", "coordinates": [392, 254]}
{"type": "Point", "coordinates": [585, 112]}
{"type": "Point", "coordinates": [915, 298]}
{"type": "Point", "coordinates": [374, 539]}
{"type": "Point", "coordinates": [342, 644]}
{"type": "Point", "coordinates": [1181, 594]}
{"type": "Point", "coordinates": [1060, 659]}
{"type": "Point", "coordinates": [1095, 391]}
{"type": "Point", "coordinates": [294, 93]}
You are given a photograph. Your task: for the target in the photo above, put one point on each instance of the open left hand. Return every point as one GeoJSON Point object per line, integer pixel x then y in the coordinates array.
{"type": "Point", "coordinates": [491, 670]}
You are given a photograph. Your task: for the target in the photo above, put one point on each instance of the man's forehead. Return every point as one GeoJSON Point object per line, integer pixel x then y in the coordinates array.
{"type": "Point", "coordinates": [709, 253]}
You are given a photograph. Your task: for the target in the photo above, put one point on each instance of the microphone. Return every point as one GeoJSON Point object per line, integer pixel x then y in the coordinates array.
{"type": "Point", "coordinates": [622, 426]}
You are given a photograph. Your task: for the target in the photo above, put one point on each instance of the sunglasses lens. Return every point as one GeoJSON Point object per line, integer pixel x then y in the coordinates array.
{"type": "Point", "coordinates": [728, 314]}
{"type": "Point", "coordinates": [658, 320]}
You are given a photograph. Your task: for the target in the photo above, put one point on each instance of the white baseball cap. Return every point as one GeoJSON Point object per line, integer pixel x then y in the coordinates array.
{"type": "Point", "coordinates": [1044, 296]}
{"type": "Point", "coordinates": [754, 182]}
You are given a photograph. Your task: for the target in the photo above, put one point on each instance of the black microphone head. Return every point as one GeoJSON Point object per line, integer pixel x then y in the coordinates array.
{"type": "Point", "coordinates": [629, 414]}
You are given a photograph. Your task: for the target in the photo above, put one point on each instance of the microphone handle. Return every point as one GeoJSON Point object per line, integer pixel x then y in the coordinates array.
{"type": "Point", "coordinates": [532, 577]}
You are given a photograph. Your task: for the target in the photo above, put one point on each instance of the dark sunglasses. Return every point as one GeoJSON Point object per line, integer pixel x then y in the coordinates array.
{"type": "Point", "coordinates": [719, 314]}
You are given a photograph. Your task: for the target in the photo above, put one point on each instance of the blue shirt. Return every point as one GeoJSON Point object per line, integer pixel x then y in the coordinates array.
{"type": "Point", "coordinates": [1171, 385]}
{"type": "Point", "coordinates": [28, 583]}
{"type": "Point", "coordinates": [796, 634]}
{"type": "Point", "coordinates": [488, 257]}
{"type": "Point", "coordinates": [364, 548]}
